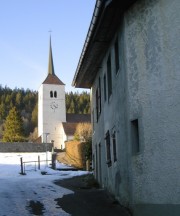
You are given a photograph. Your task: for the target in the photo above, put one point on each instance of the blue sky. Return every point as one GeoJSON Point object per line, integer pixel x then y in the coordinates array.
{"type": "Point", "coordinates": [24, 39]}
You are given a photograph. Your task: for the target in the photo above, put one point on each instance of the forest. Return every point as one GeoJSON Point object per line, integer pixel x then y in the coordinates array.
{"type": "Point", "coordinates": [24, 104]}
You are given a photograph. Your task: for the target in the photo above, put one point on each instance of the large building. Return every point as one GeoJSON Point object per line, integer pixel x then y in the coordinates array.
{"type": "Point", "coordinates": [131, 63]}
{"type": "Point", "coordinates": [54, 125]}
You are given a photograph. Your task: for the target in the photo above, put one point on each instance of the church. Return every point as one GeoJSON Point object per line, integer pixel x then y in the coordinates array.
{"type": "Point", "coordinates": [54, 124]}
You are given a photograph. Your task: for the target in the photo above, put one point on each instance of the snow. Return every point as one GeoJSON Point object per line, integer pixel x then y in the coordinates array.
{"type": "Point", "coordinates": [16, 190]}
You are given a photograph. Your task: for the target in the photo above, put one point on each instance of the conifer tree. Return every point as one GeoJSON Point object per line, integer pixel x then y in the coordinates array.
{"type": "Point", "coordinates": [13, 127]}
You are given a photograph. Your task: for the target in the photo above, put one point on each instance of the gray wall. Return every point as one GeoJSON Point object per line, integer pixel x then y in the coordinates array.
{"type": "Point", "coordinates": [152, 55]}
{"type": "Point", "coordinates": [146, 88]}
{"type": "Point", "coordinates": [25, 147]}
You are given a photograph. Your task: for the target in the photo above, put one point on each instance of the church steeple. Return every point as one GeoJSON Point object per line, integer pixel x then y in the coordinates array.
{"type": "Point", "coordinates": [50, 65]}
{"type": "Point", "coordinates": [51, 76]}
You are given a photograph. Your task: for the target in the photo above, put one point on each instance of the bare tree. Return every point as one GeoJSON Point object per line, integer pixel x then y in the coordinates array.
{"type": "Point", "coordinates": [84, 134]}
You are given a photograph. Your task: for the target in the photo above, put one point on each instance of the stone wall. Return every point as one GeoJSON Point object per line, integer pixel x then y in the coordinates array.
{"type": "Point", "coordinates": [25, 147]}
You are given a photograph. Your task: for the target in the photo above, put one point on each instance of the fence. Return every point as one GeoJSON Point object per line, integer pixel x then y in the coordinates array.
{"type": "Point", "coordinates": [34, 165]}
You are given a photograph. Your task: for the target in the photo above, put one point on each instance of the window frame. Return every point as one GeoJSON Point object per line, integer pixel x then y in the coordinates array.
{"type": "Point", "coordinates": [98, 100]}
{"type": "Point", "coordinates": [105, 87]}
{"type": "Point", "coordinates": [108, 149]}
{"type": "Point", "coordinates": [109, 76]}
{"type": "Point", "coordinates": [55, 94]}
{"type": "Point", "coordinates": [114, 142]}
{"type": "Point", "coordinates": [116, 52]}
{"type": "Point", "coordinates": [135, 137]}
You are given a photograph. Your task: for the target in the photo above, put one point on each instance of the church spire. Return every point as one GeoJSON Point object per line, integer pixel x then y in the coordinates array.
{"type": "Point", "coordinates": [50, 65]}
{"type": "Point", "coordinates": [51, 76]}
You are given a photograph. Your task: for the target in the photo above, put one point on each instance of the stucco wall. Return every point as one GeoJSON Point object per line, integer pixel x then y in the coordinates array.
{"type": "Point", "coordinates": [113, 117]}
{"type": "Point", "coordinates": [146, 88]}
{"type": "Point", "coordinates": [152, 65]}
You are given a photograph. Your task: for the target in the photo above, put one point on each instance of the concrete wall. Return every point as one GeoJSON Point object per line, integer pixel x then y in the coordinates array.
{"type": "Point", "coordinates": [146, 88]}
{"type": "Point", "coordinates": [25, 147]}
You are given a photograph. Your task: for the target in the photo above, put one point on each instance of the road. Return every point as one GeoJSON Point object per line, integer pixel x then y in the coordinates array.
{"type": "Point", "coordinates": [27, 196]}
{"type": "Point", "coordinates": [33, 193]}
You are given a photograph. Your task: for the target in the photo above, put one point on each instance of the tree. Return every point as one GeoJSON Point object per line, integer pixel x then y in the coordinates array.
{"type": "Point", "coordinates": [34, 118]}
{"type": "Point", "coordinates": [34, 135]}
{"type": "Point", "coordinates": [2, 111]}
{"type": "Point", "coordinates": [84, 134]}
{"type": "Point", "coordinates": [13, 127]}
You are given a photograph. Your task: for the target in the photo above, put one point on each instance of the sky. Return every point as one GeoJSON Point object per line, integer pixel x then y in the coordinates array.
{"type": "Point", "coordinates": [24, 40]}
{"type": "Point", "coordinates": [17, 191]}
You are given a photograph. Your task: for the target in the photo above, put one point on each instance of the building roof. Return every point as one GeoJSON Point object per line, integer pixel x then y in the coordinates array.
{"type": "Point", "coordinates": [51, 76]}
{"type": "Point", "coordinates": [77, 118]}
{"type": "Point", "coordinates": [73, 120]}
{"type": "Point", "coordinates": [50, 64]}
{"type": "Point", "coordinates": [105, 20]}
{"type": "Point", "coordinates": [69, 128]}
{"type": "Point", "coordinates": [53, 79]}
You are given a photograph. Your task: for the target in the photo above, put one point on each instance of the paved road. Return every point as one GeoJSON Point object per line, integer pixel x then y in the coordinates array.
{"type": "Point", "coordinates": [21, 198]}
{"type": "Point", "coordinates": [75, 196]}
{"type": "Point", "coordinates": [88, 199]}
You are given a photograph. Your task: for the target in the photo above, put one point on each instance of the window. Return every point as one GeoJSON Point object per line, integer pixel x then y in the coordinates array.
{"type": "Point", "coordinates": [97, 108]}
{"type": "Point", "coordinates": [109, 76]}
{"type": "Point", "coordinates": [114, 146]}
{"type": "Point", "coordinates": [108, 148]}
{"type": "Point", "coordinates": [93, 120]}
{"type": "Point", "coordinates": [104, 87]}
{"type": "Point", "coordinates": [98, 100]}
{"type": "Point", "coordinates": [116, 48]}
{"type": "Point", "coordinates": [135, 136]}
{"type": "Point", "coordinates": [55, 94]}
{"type": "Point", "coordinates": [99, 96]}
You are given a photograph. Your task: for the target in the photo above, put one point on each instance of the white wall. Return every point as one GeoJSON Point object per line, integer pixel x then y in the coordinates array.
{"type": "Point", "coordinates": [152, 59]}
{"type": "Point", "coordinates": [49, 118]}
{"type": "Point", "coordinates": [146, 88]}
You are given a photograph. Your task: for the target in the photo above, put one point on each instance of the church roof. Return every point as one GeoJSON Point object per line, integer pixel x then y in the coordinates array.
{"type": "Point", "coordinates": [51, 77]}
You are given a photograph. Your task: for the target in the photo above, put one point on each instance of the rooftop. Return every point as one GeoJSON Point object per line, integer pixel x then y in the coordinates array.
{"type": "Point", "coordinates": [105, 20]}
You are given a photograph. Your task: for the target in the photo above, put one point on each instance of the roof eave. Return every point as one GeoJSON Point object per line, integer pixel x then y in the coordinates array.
{"type": "Point", "coordinates": [105, 20]}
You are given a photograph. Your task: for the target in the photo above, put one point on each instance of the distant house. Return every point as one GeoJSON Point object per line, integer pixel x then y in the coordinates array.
{"type": "Point", "coordinates": [72, 121]}
{"type": "Point", "coordinates": [131, 63]}
{"type": "Point", "coordinates": [54, 124]}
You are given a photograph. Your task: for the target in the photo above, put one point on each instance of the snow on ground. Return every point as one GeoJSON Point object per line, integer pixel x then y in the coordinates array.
{"type": "Point", "coordinates": [17, 191]}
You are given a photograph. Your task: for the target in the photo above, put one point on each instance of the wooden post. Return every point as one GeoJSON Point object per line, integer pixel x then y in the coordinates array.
{"type": "Point", "coordinates": [54, 161]}
{"type": "Point", "coordinates": [38, 162]}
{"type": "Point", "coordinates": [22, 172]}
{"type": "Point", "coordinates": [87, 165]}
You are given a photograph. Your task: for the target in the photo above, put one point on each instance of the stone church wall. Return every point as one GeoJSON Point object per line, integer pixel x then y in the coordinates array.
{"type": "Point", "coordinates": [25, 147]}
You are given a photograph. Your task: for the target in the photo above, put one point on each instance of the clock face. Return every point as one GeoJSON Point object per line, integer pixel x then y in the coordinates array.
{"type": "Point", "coordinates": [54, 106]}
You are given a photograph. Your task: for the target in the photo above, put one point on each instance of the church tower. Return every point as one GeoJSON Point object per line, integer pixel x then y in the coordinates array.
{"type": "Point", "coordinates": [51, 106]}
